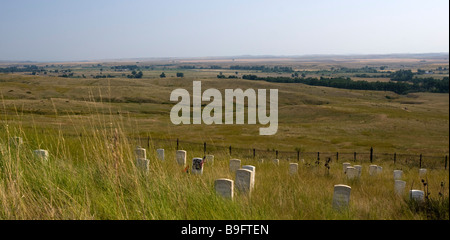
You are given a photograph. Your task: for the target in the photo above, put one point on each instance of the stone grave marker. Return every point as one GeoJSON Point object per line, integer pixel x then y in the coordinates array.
{"type": "Point", "coordinates": [160, 154]}
{"type": "Point", "coordinates": [253, 169]}
{"type": "Point", "coordinates": [422, 172]}
{"type": "Point", "coordinates": [41, 153]}
{"type": "Point", "coordinates": [143, 164]}
{"type": "Point", "coordinates": [344, 166]}
{"type": "Point", "coordinates": [373, 170]}
{"type": "Point", "coordinates": [341, 196]}
{"type": "Point", "coordinates": [235, 164]}
{"type": "Point", "coordinates": [398, 174]}
{"type": "Point", "coordinates": [352, 173]}
{"type": "Point", "coordinates": [379, 169]}
{"type": "Point", "coordinates": [140, 153]}
{"type": "Point", "coordinates": [244, 181]}
{"type": "Point", "coordinates": [224, 187]}
{"type": "Point", "coordinates": [359, 169]}
{"type": "Point", "coordinates": [417, 195]}
{"type": "Point", "coordinates": [276, 162]}
{"type": "Point", "coordinates": [181, 157]}
{"type": "Point", "coordinates": [399, 187]}
{"type": "Point", "coordinates": [293, 168]}
{"type": "Point", "coordinates": [197, 166]}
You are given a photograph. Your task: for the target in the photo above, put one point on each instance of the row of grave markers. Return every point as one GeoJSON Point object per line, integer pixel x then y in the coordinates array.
{"type": "Point", "coordinates": [245, 177]}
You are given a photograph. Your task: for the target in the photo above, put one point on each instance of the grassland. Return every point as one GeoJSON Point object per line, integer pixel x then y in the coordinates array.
{"type": "Point", "coordinates": [90, 128]}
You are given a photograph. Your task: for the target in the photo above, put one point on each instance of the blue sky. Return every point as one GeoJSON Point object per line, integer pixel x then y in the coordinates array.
{"type": "Point", "coordinates": [51, 30]}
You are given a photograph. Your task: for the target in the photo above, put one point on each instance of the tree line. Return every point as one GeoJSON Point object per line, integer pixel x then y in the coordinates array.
{"type": "Point", "coordinates": [399, 87]}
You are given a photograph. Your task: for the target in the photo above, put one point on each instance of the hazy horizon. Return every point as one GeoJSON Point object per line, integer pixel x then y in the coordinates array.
{"type": "Point", "coordinates": [96, 30]}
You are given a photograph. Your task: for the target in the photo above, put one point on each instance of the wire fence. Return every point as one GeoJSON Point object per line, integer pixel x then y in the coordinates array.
{"type": "Point", "coordinates": [371, 156]}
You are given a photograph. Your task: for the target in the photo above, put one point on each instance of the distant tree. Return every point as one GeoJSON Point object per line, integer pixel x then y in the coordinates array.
{"type": "Point", "coordinates": [179, 74]}
{"type": "Point", "coordinates": [163, 75]}
{"type": "Point", "coordinates": [139, 74]}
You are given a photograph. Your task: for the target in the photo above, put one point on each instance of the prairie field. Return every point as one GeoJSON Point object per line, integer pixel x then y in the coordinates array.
{"type": "Point", "coordinates": [91, 126]}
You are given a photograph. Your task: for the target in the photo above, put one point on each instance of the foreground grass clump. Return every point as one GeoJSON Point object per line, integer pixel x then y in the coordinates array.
{"type": "Point", "coordinates": [92, 175]}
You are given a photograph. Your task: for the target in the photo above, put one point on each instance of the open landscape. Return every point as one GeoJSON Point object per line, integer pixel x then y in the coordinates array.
{"type": "Point", "coordinates": [91, 116]}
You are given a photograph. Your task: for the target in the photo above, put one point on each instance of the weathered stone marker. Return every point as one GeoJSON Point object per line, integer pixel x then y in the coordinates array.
{"type": "Point", "coordinates": [143, 164]}
{"type": "Point", "coordinates": [276, 162]}
{"type": "Point", "coordinates": [41, 153]}
{"type": "Point", "coordinates": [235, 164]}
{"type": "Point", "coordinates": [253, 169]}
{"type": "Point", "coordinates": [181, 157]}
{"type": "Point", "coordinates": [160, 154]}
{"type": "Point", "coordinates": [422, 172]}
{"type": "Point", "coordinates": [341, 196]}
{"type": "Point", "coordinates": [373, 170]}
{"type": "Point", "coordinates": [398, 174]}
{"type": "Point", "coordinates": [379, 169]}
{"type": "Point", "coordinates": [140, 153]}
{"type": "Point", "coordinates": [352, 173]}
{"type": "Point", "coordinates": [197, 166]}
{"type": "Point", "coordinates": [417, 195]}
{"type": "Point", "coordinates": [224, 187]}
{"type": "Point", "coordinates": [293, 168]}
{"type": "Point", "coordinates": [344, 166]}
{"type": "Point", "coordinates": [244, 180]}
{"type": "Point", "coordinates": [359, 169]}
{"type": "Point", "coordinates": [399, 187]}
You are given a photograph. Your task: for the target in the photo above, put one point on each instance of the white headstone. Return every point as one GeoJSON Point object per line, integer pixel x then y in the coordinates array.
{"type": "Point", "coordinates": [143, 164]}
{"type": "Point", "coordinates": [197, 166]}
{"type": "Point", "coordinates": [276, 162]}
{"type": "Point", "coordinates": [399, 187]}
{"type": "Point", "coordinates": [341, 196]}
{"type": "Point", "coordinates": [373, 170]}
{"type": "Point", "coordinates": [417, 195]}
{"type": "Point", "coordinates": [352, 173]}
{"type": "Point", "coordinates": [244, 180]}
{"type": "Point", "coordinates": [235, 164]}
{"type": "Point", "coordinates": [293, 168]}
{"type": "Point", "coordinates": [181, 157]}
{"type": "Point", "coordinates": [224, 187]}
{"type": "Point", "coordinates": [379, 169]}
{"type": "Point", "coordinates": [209, 159]}
{"type": "Point", "coordinates": [253, 169]}
{"type": "Point", "coordinates": [140, 153]}
{"type": "Point", "coordinates": [344, 166]}
{"type": "Point", "coordinates": [422, 172]}
{"type": "Point", "coordinates": [398, 174]}
{"type": "Point", "coordinates": [40, 153]}
{"type": "Point", "coordinates": [160, 153]}
{"type": "Point", "coordinates": [359, 169]}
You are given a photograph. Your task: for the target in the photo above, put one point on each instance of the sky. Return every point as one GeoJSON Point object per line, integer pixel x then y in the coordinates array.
{"type": "Point", "coordinates": [63, 30]}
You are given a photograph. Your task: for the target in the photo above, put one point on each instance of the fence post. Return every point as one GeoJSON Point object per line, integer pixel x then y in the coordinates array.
{"type": "Point", "coordinates": [177, 144]}
{"type": "Point", "coordinates": [298, 157]}
{"type": "Point", "coordinates": [148, 142]}
{"type": "Point", "coordinates": [420, 161]}
{"type": "Point", "coordinates": [354, 157]}
{"type": "Point", "coordinates": [230, 150]}
{"type": "Point", "coordinates": [395, 157]}
{"type": "Point", "coordinates": [371, 154]}
{"type": "Point", "coordinates": [276, 154]}
{"type": "Point", "coordinates": [204, 148]}
{"type": "Point", "coordinates": [318, 156]}
{"type": "Point", "coordinates": [337, 156]}
{"type": "Point", "coordinates": [446, 159]}
{"type": "Point", "coordinates": [254, 153]}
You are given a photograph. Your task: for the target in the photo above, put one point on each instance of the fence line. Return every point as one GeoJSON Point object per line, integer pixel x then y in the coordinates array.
{"type": "Point", "coordinates": [407, 159]}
